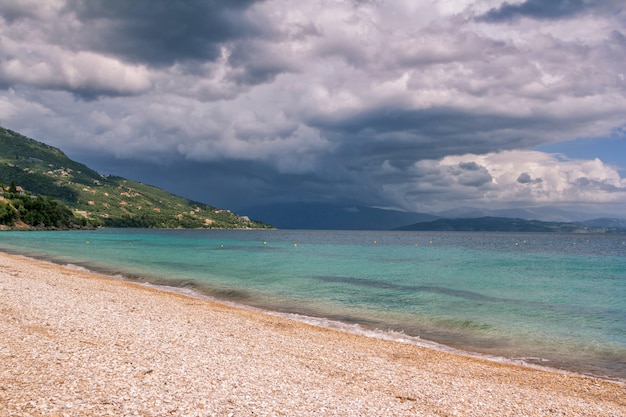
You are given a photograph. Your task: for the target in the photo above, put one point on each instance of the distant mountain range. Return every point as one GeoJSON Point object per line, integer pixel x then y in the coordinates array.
{"type": "Point", "coordinates": [35, 176]}
{"type": "Point", "coordinates": [504, 224]}
{"type": "Point", "coordinates": [548, 214]}
{"type": "Point", "coordinates": [606, 222]}
{"type": "Point", "coordinates": [324, 216]}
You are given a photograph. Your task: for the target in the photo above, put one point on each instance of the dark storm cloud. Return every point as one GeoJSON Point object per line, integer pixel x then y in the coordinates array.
{"type": "Point", "coordinates": [525, 178]}
{"type": "Point", "coordinates": [216, 183]}
{"type": "Point", "coordinates": [162, 32]}
{"type": "Point", "coordinates": [537, 9]}
{"type": "Point", "coordinates": [401, 134]}
{"type": "Point", "coordinates": [470, 166]}
{"type": "Point", "coordinates": [551, 9]}
{"type": "Point", "coordinates": [14, 11]}
{"type": "Point", "coordinates": [252, 63]}
{"type": "Point", "coordinates": [472, 174]}
{"type": "Point", "coordinates": [584, 183]}
{"type": "Point", "coordinates": [219, 183]}
{"type": "Point", "coordinates": [438, 121]}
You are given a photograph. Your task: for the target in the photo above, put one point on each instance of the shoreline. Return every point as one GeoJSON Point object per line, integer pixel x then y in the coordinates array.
{"type": "Point", "coordinates": [360, 330]}
{"type": "Point", "coordinates": [78, 342]}
{"type": "Point", "coordinates": [354, 328]}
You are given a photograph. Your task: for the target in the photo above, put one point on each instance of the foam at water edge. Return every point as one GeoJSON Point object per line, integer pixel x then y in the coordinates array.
{"type": "Point", "coordinates": [74, 267]}
{"type": "Point", "coordinates": [389, 335]}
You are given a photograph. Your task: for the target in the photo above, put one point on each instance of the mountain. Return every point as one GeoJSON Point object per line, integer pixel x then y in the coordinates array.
{"type": "Point", "coordinates": [606, 222]}
{"type": "Point", "coordinates": [504, 224]}
{"type": "Point", "coordinates": [548, 214]}
{"type": "Point", "coordinates": [44, 171]}
{"type": "Point", "coordinates": [326, 216]}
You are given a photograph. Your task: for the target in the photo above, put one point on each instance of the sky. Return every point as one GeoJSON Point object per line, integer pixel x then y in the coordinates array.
{"type": "Point", "coordinates": [419, 105]}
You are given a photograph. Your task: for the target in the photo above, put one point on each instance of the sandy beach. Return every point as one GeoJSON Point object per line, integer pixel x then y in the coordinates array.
{"type": "Point", "coordinates": [73, 343]}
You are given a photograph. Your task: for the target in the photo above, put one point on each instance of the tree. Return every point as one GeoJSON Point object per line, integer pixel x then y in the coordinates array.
{"type": "Point", "coordinates": [8, 214]}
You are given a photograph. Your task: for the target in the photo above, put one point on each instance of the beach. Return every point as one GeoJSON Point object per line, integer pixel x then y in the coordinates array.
{"type": "Point", "coordinates": [74, 343]}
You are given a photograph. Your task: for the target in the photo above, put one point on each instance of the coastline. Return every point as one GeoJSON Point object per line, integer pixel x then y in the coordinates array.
{"type": "Point", "coordinates": [76, 342]}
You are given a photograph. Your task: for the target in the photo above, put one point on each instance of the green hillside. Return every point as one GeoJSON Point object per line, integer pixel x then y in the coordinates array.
{"type": "Point", "coordinates": [42, 170]}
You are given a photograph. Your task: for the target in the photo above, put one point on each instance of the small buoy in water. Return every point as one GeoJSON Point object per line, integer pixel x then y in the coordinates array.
{"type": "Point", "coordinates": [265, 243]}
{"type": "Point", "coordinates": [374, 242]}
{"type": "Point", "coordinates": [295, 245]}
{"type": "Point", "coordinates": [87, 243]}
{"type": "Point", "coordinates": [430, 243]}
{"type": "Point", "coordinates": [221, 246]}
{"type": "Point", "coordinates": [417, 244]}
{"type": "Point", "coordinates": [516, 243]}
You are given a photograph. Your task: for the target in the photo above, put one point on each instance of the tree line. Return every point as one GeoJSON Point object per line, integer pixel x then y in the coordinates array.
{"type": "Point", "coordinates": [21, 207]}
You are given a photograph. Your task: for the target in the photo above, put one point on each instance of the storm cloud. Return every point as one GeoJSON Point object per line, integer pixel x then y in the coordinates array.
{"type": "Point", "coordinates": [416, 105]}
{"type": "Point", "coordinates": [548, 10]}
{"type": "Point", "coordinates": [160, 32]}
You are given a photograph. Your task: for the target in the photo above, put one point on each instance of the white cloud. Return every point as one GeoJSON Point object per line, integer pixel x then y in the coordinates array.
{"type": "Point", "coordinates": [82, 73]}
{"type": "Point", "coordinates": [30, 56]}
{"type": "Point", "coordinates": [15, 108]}
{"type": "Point", "coordinates": [522, 178]}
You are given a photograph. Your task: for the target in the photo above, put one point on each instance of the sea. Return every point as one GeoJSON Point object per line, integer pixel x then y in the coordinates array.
{"type": "Point", "coordinates": [549, 300]}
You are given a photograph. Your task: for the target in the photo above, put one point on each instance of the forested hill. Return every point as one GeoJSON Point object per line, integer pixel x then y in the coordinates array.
{"type": "Point", "coordinates": [33, 172]}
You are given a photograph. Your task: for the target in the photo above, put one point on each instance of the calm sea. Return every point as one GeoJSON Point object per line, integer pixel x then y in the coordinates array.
{"type": "Point", "coordinates": [557, 300]}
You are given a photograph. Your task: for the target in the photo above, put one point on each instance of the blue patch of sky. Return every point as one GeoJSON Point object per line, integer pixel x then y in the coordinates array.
{"type": "Point", "coordinates": [610, 150]}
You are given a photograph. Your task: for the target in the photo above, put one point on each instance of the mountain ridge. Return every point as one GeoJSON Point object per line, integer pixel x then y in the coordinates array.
{"type": "Point", "coordinates": [505, 224]}
{"type": "Point", "coordinates": [102, 200]}
{"type": "Point", "coordinates": [547, 214]}
{"type": "Point", "coordinates": [328, 216]}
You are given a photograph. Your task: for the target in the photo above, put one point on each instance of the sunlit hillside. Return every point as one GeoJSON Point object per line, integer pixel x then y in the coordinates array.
{"type": "Point", "coordinates": [103, 200]}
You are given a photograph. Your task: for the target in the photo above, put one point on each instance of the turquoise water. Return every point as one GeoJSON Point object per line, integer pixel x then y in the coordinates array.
{"type": "Point", "coordinates": [558, 300]}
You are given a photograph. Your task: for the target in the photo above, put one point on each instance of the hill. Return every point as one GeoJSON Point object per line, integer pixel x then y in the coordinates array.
{"type": "Point", "coordinates": [324, 216]}
{"type": "Point", "coordinates": [42, 171]}
{"type": "Point", "coordinates": [503, 224]}
{"type": "Point", "coordinates": [606, 222]}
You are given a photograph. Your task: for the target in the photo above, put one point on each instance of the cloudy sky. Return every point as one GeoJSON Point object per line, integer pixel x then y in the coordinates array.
{"type": "Point", "coordinates": [422, 105]}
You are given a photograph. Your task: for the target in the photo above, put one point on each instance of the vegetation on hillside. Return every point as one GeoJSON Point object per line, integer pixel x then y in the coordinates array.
{"type": "Point", "coordinates": [94, 200]}
{"type": "Point", "coordinates": [23, 210]}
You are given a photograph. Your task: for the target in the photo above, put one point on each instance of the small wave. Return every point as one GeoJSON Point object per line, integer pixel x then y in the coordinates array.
{"type": "Point", "coordinates": [75, 267]}
{"type": "Point", "coordinates": [532, 359]}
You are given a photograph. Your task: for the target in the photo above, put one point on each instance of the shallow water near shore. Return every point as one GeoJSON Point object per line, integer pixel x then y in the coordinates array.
{"type": "Point", "coordinates": [557, 300]}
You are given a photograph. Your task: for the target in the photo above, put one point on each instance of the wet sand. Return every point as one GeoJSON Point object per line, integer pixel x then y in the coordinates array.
{"type": "Point", "coordinates": [79, 344]}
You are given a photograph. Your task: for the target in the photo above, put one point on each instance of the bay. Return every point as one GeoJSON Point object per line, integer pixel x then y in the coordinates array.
{"type": "Point", "coordinates": [558, 300]}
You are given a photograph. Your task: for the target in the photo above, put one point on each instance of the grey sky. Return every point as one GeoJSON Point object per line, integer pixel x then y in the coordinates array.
{"type": "Point", "coordinates": [422, 105]}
